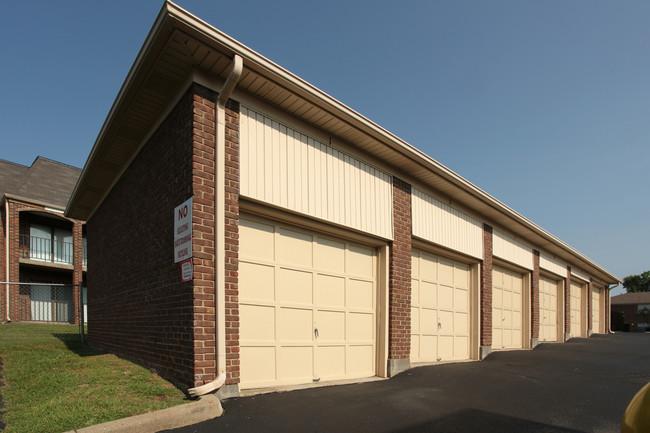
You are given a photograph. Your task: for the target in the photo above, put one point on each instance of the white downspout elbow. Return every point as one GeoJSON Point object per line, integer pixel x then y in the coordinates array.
{"type": "Point", "coordinates": [219, 230]}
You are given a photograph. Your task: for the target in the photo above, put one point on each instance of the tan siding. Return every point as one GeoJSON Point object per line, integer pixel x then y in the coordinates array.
{"type": "Point", "coordinates": [286, 168]}
{"type": "Point", "coordinates": [552, 265]}
{"type": "Point", "coordinates": [512, 250]}
{"type": "Point", "coordinates": [442, 224]}
{"type": "Point", "coordinates": [580, 274]}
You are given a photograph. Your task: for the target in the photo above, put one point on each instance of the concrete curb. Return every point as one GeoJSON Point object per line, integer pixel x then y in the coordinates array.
{"type": "Point", "coordinates": [174, 417]}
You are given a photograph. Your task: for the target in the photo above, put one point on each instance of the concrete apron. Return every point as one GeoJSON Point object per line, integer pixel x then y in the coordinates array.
{"type": "Point", "coordinates": [208, 407]}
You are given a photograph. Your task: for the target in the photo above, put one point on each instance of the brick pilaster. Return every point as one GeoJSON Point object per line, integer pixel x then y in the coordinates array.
{"type": "Point", "coordinates": [203, 234]}
{"type": "Point", "coordinates": [589, 307]}
{"type": "Point", "coordinates": [399, 332]}
{"type": "Point", "coordinates": [232, 242]}
{"type": "Point", "coordinates": [486, 292]}
{"type": "Point", "coordinates": [567, 303]}
{"type": "Point", "coordinates": [77, 262]}
{"type": "Point", "coordinates": [534, 300]}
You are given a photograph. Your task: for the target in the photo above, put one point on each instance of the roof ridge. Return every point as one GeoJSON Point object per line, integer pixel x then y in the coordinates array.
{"type": "Point", "coordinates": [54, 161]}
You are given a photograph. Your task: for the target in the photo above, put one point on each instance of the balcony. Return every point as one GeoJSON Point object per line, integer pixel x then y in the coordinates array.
{"type": "Point", "coordinates": [47, 250]}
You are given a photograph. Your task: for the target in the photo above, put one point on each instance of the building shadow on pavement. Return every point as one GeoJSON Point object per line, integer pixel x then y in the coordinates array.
{"type": "Point", "coordinates": [474, 420]}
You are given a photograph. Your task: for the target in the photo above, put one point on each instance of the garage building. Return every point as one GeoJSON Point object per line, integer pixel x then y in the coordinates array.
{"type": "Point", "coordinates": [323, 247]}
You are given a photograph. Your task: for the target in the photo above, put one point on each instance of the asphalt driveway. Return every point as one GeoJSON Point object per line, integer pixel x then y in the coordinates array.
{"type": "Point", "coordinates": [583, 385]}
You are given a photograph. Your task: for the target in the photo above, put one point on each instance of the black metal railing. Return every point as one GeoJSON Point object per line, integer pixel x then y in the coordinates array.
{"type": "Point", "coordinates": [46, 250]}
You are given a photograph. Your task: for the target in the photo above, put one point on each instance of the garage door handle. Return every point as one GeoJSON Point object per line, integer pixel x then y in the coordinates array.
{"type": "Point", "coordinates": [316, 332]}
{"type": "Point", "coordinates": [439, 325]}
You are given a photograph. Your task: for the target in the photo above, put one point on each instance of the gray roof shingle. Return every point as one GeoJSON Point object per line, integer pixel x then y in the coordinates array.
{"type": "Point", "coordinates": [45, 180]}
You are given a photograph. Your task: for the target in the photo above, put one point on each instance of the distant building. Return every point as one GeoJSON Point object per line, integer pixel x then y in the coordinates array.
{"type": "Point", "coordinates": [39, 244]}
{"type": "Point", "coordinates": [631, 312]}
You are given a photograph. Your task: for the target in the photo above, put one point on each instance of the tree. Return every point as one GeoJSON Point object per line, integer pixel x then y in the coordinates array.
{"type": "Point", "coordinates": [637, 283]}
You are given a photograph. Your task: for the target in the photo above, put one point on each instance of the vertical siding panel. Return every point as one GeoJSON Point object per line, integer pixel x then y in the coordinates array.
{"type": "Point", "coordinates": [291, 172]}
{"type": "Point", "coordinates": [284, 173]}
{"type": "Point", "coordinates": [286, 168]}
{"type": "Point", "coordinates": [244, 142]}
{"type": "Point", "coordinates": [438, 222]}
{"type": "Point", "coordinates": [276, 183]}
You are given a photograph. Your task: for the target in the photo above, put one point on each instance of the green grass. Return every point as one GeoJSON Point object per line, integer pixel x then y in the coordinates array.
{"type": "Point", "coordinates": [53, 383]}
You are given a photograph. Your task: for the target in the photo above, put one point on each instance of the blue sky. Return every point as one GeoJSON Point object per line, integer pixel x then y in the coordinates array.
{"type": "Point", "coordinates": [544, 105]}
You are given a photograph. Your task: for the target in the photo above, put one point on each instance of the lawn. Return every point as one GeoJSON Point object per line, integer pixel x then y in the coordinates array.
{"type": "Point", "coordinates": [53, 383]}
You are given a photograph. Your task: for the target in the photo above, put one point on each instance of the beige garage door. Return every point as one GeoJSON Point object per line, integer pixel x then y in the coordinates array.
{"type": "Point", "coordinates": [306, 305]}
{"type": "Point", "coordinates": [548, 297]}
{"type": "Point", "coordinates": [507, 301]}
{"type": "Point", "coordinates": [576, 309]}
{"type": "Point", "coordinates": [440, 303]}
{"type": "Point", "coordinates": [595, 310]}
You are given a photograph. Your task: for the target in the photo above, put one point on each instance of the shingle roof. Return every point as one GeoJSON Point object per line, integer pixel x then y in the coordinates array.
{"type": "Point", "coordinates": [631, 298]}
{"type": "Point", "coordinates": [45, 180]}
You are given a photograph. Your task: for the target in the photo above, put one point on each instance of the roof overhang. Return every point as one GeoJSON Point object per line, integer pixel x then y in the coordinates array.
{"type": "Point", "coordinates": [179, 44]}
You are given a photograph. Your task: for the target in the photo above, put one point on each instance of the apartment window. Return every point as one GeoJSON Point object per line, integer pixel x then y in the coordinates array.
{"type": "Point", "coordinates": [50, 244]}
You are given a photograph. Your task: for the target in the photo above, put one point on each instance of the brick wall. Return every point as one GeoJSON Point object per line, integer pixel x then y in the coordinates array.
{"type": "Point", "coordinates": [399, 332]}
{"type": "Point", "coordinates": [138, 307]}
{"type": "Point", "coordinates": [534, 298]}
{"type": "Point", "coordinates": [486, 288]}
{"type": "Point", "coordinates": [232, 241]}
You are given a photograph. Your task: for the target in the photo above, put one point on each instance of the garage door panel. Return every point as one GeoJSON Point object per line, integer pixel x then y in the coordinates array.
{"type": "Point", "coordinates": [256, 240]}
{"type": "Point", "coordinates": [461, 347]}
{"type": "Point", "coordinates": [295, 362]}
{"type": "Point", "coordinates": [329, 255]}
{"type": "Point", "coordinates": [415, 291]}
{"type": "Point", "coordinates": [359, 261]}
{"type": "Point", "coordinates": [497, 298]}
{"type": "Point", "coordinates": [441, 303]}
{"type": "Point", "coordinates": [360, 360]}
{"type": "Point", "coordinates": [415, 319]}
{"type": "Point", "coordinates": [428, 294]}
{"type": "Point", "coordinates": [257, 364]}
{"type": "Point", "coordinates": [428, 268]}
{"type": "Point", "coordinates": [293, 247]}
{"type": "Point", "coordinates": [254, 282]}
{"type": "Point", "coordinates": [330, 361]}
{"type": "Point", "coordinates": [295, 324]}
{"type": "Point", "coordinates": [360, 294]}
{"type": "Point", "coordinates": [445, 347]}
{"type": "Point", "coordinates": [446, 321]}
{"type": "Point", "coordinates": [445, 297]}
{"type": "Point", "coordinates": [461, 299]}
{"type": "Point", "coordinates": [445, 272]}
{"type": "Point", "coordinates": [429, 347]}
{"type": "Point", "coordinates": [461, 323]}
{"type": "Point", "coordinates": [507, 317]}
{"type": "Point", "coordinates": [257, 323]}
{"type": "Point", "coordinates": [329, 290]}
{"type": "Point", "coordinates": [300, 282]}
{"type": "Point", "coordinates": [360, 327]}
{"type": "Point", "coordinates": [461, 276]}
{"type": "Point", "coordinates": [294, 286]}
{"type": "Point", "coordinates": [330, 325]}
{"type": "Point", "coordinates": [428, 320]}
{"type": "Point", "coordinates": [415, 346]}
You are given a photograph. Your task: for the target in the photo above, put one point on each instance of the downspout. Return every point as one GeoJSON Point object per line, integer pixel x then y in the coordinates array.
{"type": "Point", "coordinates": [7, 239]}
{"type": "Point", "coordinates": [219, 230]}
{"type": "Point", "coordinates": [609, 305]}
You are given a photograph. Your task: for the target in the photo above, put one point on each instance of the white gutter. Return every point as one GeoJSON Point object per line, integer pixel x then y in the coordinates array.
{"type": "Point", "coordinates": [219, 230]}
{"type": "Point", "coordinates": [7, 239]}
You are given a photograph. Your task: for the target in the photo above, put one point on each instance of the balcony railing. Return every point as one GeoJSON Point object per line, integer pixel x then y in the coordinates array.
{"type": "Point", "coordinates": [46, 250]}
